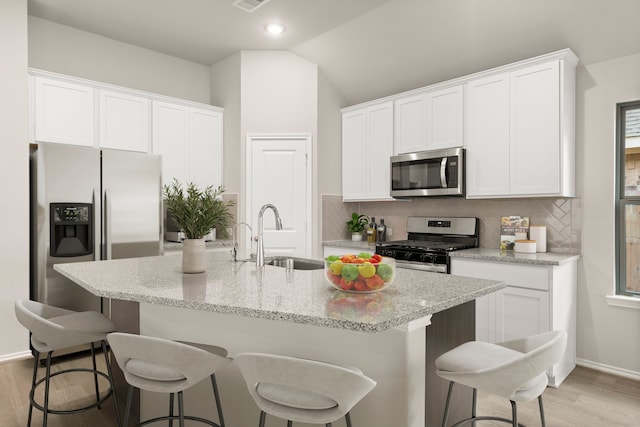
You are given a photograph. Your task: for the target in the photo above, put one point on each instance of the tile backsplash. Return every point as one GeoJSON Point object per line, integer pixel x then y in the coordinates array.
{"type": "Point", "coordinates": [563, 217]}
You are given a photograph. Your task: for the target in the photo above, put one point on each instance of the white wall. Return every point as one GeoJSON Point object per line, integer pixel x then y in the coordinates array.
{"type": "Point", "coordinates": [14, 167]}
{"type": "Point", "coordinates": [66, 50]}
{"type": "Point", "coordinates": [607, 336]}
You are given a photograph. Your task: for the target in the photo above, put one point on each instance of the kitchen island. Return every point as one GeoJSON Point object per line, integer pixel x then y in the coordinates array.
{"type": "Point", "coordinates": [241, 308]}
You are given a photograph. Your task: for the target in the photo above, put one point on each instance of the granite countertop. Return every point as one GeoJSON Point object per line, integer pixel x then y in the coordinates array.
{"type": "Point", "coordinates": [541, 258]}
{"type": "Point", "coordinates": [213, 244]}
{"type": "Point", "coordinates": [362, 245]}
{"type": "Point", "coordinates": [300, 297]}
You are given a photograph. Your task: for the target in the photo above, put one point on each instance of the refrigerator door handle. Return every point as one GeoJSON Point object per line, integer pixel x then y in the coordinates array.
{"type": "Point", "coordinates": [107, 223]}
{"type": "Point", "coordinates": [96, 224]}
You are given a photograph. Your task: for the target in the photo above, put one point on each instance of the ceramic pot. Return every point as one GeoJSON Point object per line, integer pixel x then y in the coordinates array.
{"type": "Point", "coordinates": [356, 237]}
{"type": "Point", "coordinates": [194, 256]}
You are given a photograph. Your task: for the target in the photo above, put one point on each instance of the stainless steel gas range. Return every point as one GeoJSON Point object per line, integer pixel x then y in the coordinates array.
{"type": "Point", "coordinates": [429, 242]}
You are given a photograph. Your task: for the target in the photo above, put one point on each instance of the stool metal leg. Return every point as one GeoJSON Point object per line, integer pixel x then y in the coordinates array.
{"type": "Point", "coordinates": [514, 413]}
{"type": "Point", "coordinates": [95, 375]}
{"type": "Point", "coordinates": [45, 412]}
{"type": "Point", "coordinates": [542, 423]}
{"type": "Point", "coordinates": [347, 417]}
{"type": "Point", "coordinates": [446, 406]}
{"type": "Point", "coordinates": [105, 352]}
{"type": "Point", "coordinates": [289, 423]}
{"type": "Point", "coordinates": [263, 417]}
{"type": "Point", "coordinates": [180, 409]}
{"type": "Point", "coordinates": [216, 395]}
{"type": "Point", "coordinates": [36, 358]}
{"type": "Point", "coordinates": [128, 409]}
{"type": "Point", "coordinates": [171, 397]}
{"type": "Point", "coordinates": [474, 401]}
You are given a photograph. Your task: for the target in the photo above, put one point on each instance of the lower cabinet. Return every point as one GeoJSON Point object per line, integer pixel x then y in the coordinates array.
{"type": "Point", "coordinates": [538, 298]}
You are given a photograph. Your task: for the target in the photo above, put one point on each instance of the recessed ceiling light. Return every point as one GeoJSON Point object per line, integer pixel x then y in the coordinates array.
{"type": "Point", "coordinates": [274, 28]}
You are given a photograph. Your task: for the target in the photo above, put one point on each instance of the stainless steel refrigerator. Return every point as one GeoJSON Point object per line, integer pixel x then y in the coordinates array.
{"type": "Point", "coordinates": [89, 204]}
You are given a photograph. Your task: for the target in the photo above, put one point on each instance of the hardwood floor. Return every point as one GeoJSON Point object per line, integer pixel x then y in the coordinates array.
{"type": "Point", "coordinates": [587, 398]}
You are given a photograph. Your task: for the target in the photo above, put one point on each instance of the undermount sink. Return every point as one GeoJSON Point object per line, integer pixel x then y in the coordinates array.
{"type": "Point", "coordinates": [298, 263]}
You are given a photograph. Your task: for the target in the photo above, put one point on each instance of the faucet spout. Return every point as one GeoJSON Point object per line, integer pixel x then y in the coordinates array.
{"type": "Point", "coordinates": [260, 254]}
{"type": "Point", "coordinates": [234, 237]}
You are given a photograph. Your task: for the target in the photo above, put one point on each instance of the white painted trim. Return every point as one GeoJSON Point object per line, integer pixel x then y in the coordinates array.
{"type": "Point", "coordinates": [623, 301]}
{"type": "Point", "coordinates": [21, 355]}
{"type": "Point", "coordinates": [414, 325]}
{"type": "Point", "coordinates": [307, 137]}
{"type": "Point", "coordinates": [625, 373]}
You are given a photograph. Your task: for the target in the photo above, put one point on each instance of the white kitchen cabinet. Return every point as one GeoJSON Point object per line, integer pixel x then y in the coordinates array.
{"type": "Point", "coordinates": [445, 114]}
{"type": "Point", "coordinates": [124, 121]}
{"type": "Point", "coordinates": [487, 136]}
{"type": "Point", "coordinates": [367, 145]}
{"type": "Point", "coordinates": [63, 112]}
{"type": "Point", "coordinates": [519, 131]}
{"type": "Point", "coordinates": [410, 127]}
{"type": "Point", "coordinates": [190, 142]}
{"type": "Point", "coordinates": [429, 120]}
{"type": "Point", "coordinates": [538, 298]}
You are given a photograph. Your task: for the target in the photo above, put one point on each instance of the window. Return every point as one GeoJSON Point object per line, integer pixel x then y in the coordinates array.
{"type": "Point", "coordinates": [628, 204]}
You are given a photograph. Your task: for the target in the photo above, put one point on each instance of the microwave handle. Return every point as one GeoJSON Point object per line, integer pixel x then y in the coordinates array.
{"type": "Point", "coordinates": [443, 172]}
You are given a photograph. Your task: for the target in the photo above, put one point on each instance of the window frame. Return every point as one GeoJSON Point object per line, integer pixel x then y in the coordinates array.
{"type": "Point", "coordinates": [622, 200]}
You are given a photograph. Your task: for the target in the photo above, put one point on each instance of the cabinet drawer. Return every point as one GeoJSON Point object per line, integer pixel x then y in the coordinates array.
{"type": "Point", "coordinates": [521, 275]}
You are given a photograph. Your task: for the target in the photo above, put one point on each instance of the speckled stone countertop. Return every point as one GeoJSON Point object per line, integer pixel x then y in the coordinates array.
{"type": "Point", "coordinates": [300, 297]}
{"type": "Point", "coordinates": [213, 244]}
{"type": "Point", "coordinates": [541, 258]}
{"type": "Point", "coordinates": [362, 245]}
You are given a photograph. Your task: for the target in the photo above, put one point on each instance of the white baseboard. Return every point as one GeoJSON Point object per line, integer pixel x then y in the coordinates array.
{"type": "Point", "coordinates": [15, 356]}
{"type": "Point", "coordinates": [626, 373]}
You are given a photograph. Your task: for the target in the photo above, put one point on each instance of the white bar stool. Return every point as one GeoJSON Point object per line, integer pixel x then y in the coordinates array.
{"type": "Point", "coordinates": [54, 328]}
{"type": "Point", "coordinates": [165, 366]}
{"type": "Point", "coordinates": [302, 390]}
{"type": "Point", "coordinates": [515, 370]}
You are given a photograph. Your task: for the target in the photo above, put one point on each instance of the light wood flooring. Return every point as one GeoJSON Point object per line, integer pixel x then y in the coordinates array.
{"type": "Point", "coordinates": [587, 398]}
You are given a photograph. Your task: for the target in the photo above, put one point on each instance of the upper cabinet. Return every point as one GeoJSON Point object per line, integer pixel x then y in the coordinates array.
{"type": "Point", "coordinates": [74, 111]}
{"type": "Point", "coordinates": [124, 121]}
{"type": "Point", "coordinates": [367, 145]}
{"type": "Point", "coordinates": [429, 120]}
{"type": "Point", "coordinates": [520, 131]}
{"type": "Point", "coordinates": [64, 112]}
{"type": "Point", "coordinates": [190, 142]}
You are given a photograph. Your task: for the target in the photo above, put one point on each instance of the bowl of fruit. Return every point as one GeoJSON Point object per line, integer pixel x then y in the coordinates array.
{"type": "Point", "coordinates": [361, 273]}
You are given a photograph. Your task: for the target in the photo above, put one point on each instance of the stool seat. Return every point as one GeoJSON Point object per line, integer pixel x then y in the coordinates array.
{"type": "Point", "coordinates": [302, 390]}
{"type": "Point", "coordinates": [54, 328]}
{"type": "Point", "coordinates": [515, 370]}
{"type": "Point", "coordinates": [165, 366]}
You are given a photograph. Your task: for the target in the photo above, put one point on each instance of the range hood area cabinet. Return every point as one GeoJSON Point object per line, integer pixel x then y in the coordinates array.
{"type": "Point", "coordinates": [520, 132]}
{"type": "Point", "coordinates": [367, 145]}
{"type": "Point", "coordinates": [188, 135]}
{"type": "Point", "coordinates": [517, 123]}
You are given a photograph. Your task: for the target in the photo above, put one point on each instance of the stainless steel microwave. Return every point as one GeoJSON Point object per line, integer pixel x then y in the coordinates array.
{"type": "Point", "coordinates": [435, 173]}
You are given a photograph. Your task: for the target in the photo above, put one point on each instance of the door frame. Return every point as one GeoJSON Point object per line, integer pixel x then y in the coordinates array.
{"type": "Point", "coordinates": [255, 138]}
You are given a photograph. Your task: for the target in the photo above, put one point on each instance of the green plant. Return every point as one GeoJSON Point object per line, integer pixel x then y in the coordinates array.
{"type": "Point", "coordinates": [198, 211]}
{"type": "Point", "coordinates": [357, 223]}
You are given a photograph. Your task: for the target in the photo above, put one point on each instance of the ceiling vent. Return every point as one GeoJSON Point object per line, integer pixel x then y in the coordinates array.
{"type": "Point", "coordinates": [249, 5]}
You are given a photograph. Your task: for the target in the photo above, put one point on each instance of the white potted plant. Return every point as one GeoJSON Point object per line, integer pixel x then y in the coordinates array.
{"type": "Point", "coordinates": [356, 226]}
{"type": "Point", "coordinates": [197, 212]}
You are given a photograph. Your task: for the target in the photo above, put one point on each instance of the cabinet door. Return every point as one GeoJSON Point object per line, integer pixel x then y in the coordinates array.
{"type": "Point", "coordinates": [521, 313]}
{"type": "Point", "coordinates": [354, 154]}
{"type": "Point", "coordinates": [445, 113]}
{"type": "Point", "coordinates": [487, 136]}
{"type": "Point", "coordinates": [171, 140]}
{"type": "Point", "coordinates": [410, 132]}
{"type": "Point", "coordinates": [378, 150]}
{"type": "Point", "coordinates": [535, 130]}
{"type": "Point", "coordinates": [64, 112]}
{"type": "Point", "coordinates": [124, 121]}
{"type": "Point", "coordinates": [206, 147]}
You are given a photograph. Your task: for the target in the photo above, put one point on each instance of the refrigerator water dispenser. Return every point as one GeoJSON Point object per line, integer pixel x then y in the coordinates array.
{"type": "Point", "coordinates": [71, 229]}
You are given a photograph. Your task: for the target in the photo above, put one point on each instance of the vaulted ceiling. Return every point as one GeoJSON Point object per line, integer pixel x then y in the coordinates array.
{"type": "Point", "coordinates": [366, 48]}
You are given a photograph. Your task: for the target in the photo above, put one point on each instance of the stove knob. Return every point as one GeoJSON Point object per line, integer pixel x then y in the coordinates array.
{"type": "Point", "coordinates": [407, 255]}
{"type": "Point", "coordinates": [388, 252]}
{"type": "Point", "coordinates": [428, 258]}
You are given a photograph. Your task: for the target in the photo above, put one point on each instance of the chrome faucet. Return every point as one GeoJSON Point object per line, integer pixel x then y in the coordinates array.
{"type": "Point", "coordinates": [260, 255]}
{"type": "Point", "coordinates": [234, 237]}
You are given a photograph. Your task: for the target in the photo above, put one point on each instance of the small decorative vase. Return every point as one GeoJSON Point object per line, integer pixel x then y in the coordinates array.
{"type": "Point", "coordinates": [356, 237]}
{"type": "Point", "coordinates": [194, 256]}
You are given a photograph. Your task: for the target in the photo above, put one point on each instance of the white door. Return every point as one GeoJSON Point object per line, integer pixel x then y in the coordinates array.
{"type": "Point", "coordinates": [279, 173]}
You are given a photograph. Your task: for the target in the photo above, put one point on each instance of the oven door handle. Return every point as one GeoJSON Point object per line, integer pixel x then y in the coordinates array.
{"type": "Point", "coordinates": [435, 268]}
{"type": "Point", "coordinates": [443, 172]}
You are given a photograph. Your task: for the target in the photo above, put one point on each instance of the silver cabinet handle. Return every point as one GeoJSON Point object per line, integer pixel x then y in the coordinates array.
{"type": "Point", "coordinates": [107, 223]}
{"type": "Point", "coordinates": [96, 225]}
